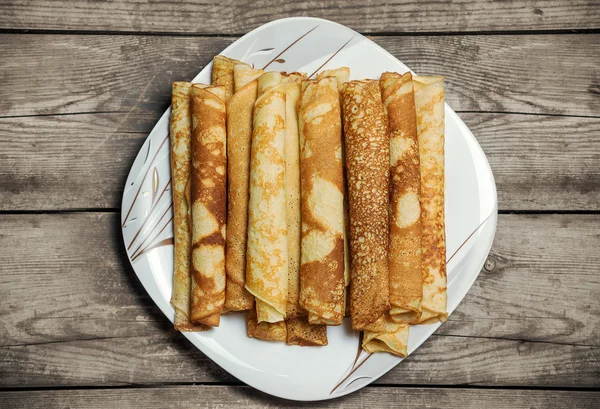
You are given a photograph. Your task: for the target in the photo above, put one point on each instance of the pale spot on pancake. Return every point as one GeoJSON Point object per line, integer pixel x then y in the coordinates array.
{"type": "Point", "coordinates": [316, 245]}
{"type": "Point", "coordinates": [268, 118]}
{"type": "Point", "coordinates": [408, 210]}
{"type": "Point", "coordinates": [224, 231]}
{"type": "Point", "coordinates": [180, 185]}
{"type": "Point", "coordinates": [315, 115]}
{"type": "Point", "coordinates": [206, 182]}
{"type": "Point", "coordinates": [220, 278]}
{"type": "Point", "coordinates": [338, 153]}
{"type": "Point", "coordinates": [213, 104]}
{"type": "Point", "coordinates": [208, 259]}
{"type": "Point", "coordinates": [214, 134]}
{"type": "Point", "coordinates": [180, 148]}
{"type": "Point", "coordinates": [306, 152]}
{"type": "Point", "coordinates": [405, 88]}
{"type": "Point", "coordinates": [220, 170]}
{"type": "Point", "coordinates": [399, 147]}
{"type": "Point", "coordinates": [205, 223]}
{"type": "Point", "coordinates": [326, 203]}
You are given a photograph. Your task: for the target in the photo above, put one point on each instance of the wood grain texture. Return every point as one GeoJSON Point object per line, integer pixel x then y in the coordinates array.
{"type": "Point", "coordinates": [529, 320]}
{"type": "Point", "coordinates": [82, 161]}
{"type": "Point", "coordinates": [75, 109]}
{"type": "Point", "coordinates": [548, 163]}
{"type": "Point", "coordinates": [522, 293]}
{"type": "Point", "coordinates": [544, 74]}
{"type": "Point", "coordinates": [203, 396]}
{"type": "Point", "coordinates": [231, 17]}
{"type": "Point", "coordinates": [66, 162]}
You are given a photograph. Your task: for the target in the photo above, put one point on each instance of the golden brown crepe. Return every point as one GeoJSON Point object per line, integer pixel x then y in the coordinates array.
{"type": "Point", "coordinates": [240, 109]}
{"type": "Point", "coordinates": [267, 252]}
{"type": "Point", "coordinates": [322, 284]}
{"type": "Point", "coordinates": [222, 73]}
{"type": "Point", "coordinates": [406, 278]}
{"type": "Point", "coordinates": [393, 338]}
{"type": "Point", "coordinates": [378, 325]}
{"type": "Point", "coordinates": [301, 332]}
{"type": "Point", "coordinates": [292, 85]}
{"type": "Point", "coordinates": [267, 331]}
{"type": "Point", "coordinates": [367, 162]}
{"type": "Point", "coordinates": [209, 179]}
{"type": "Point", "coordinates": [342, 75]}
{"type": "Point", "coordinates": [429, 105]}
{"type": "Point", "coordinates": [181, 140]}
{"type": "Point", "coordinates": [239, 133]}
{"type": "Point", "coordinates": [244, 74]}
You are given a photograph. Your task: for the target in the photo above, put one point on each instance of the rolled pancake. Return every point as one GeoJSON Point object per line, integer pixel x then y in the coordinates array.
{"type": "Point", "coordinates": [267, 253]}
{"type": "Point", "coordinates": [222, 73]}
{"type": "Point", "coordinates": [342, 75]}
{"type": "Point", "coordinates": [292, 84]}
{"type": "Point", "coordinates": [267, 331]}
{"type": "Point", "coordinates": [406, 278]}
{"type": "Point", "coordinates": [239, 134]}
{"type": "Point", "coordinates": [209, 193]}
{"type": "Point", "coordinates": [393, 338]}
{"type": "Point", "coordinates": [429, 105]}
{"type": "Point", "coordinates": [378, 325]}
{"type": "Point", "coordinates": [240, 109]}
{"type": "Point", "coordinates": [244, 74]}
{"type": "Point", "coordinates": [367, 164]}
{"type": "Point", "coordinates": [181, 159]}
{"type": "Point", "coordinates": [301, 332]}
{"type": "Point", "coordinates": [322, 286]}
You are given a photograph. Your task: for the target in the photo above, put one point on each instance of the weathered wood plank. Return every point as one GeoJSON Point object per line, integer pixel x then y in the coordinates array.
{"type": "Point", "coordinates": [242, 396]}
{"type": "Point", "coordinates": [545, 74]}
{"type": "Point", "coordinates": [529, 320]}
{"type": "Point", "coordinates": [541, 162]}
{"type": "Point", "coordinates": [238, 17]}
{"type": "Point", "coordinates": [82, 161]}
{"type": "Point", "coordinates": [540, 283]}
{"type": "Point", "coordinates": [65, 162]}
{"type": "Point", "coordinates": [442, 360]}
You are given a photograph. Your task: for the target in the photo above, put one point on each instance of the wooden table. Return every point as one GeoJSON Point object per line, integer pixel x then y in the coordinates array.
{"type": "Point", "coordinates": [82, 84]}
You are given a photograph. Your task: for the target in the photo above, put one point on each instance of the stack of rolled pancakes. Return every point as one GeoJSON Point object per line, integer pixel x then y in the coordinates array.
{"type": "Point", "coordinates": [305, 200]}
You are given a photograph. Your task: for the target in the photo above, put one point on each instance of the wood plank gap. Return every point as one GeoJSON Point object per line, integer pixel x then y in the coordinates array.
{"type": "Point", "coordinates": [64, 211]}
{"type": "Point", "coordinates": [126, 386]}
{"type": "Point", "coordinates": [64, 341]}
{"type": "Point", "coordinates": [366, 33]}
{"type": "Point", "coordinates": [491, 387]}
{"type": "Point", "coordinates": [549, 212]}
{"type": "Point", "coordinates": [523, 340]}
{"type": "Point", "coordinates": [119, 33]}
{"type": "Point", "coordinates": [525, 113]}
{"type": "Point", "coordinates": [482, 33]}
{"type": "Point", "coordinates": [62, 114]}
{"type": "Point", "coordinates": [243, 385]}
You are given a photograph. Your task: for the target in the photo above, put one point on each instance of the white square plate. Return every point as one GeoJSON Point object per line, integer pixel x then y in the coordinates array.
{"type": "Point", "coordinates": [292, 372]}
